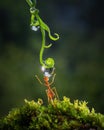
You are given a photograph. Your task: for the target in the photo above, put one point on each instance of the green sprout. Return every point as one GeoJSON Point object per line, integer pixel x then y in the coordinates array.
{"type": "Point", "coordinates": [36, 23]}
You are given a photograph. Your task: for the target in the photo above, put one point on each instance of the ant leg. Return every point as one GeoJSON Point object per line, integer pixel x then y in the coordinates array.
{"type": "Point", "coordinates": [47, 95]}
{"type": "Point", "coordinates": [50, 95]}
{"type": "Point", "coordinates": [38, 79]}
{"type": "Point", "coordinates": [53, 78]}
{"type": "Point", "coordinates": [56, 94]}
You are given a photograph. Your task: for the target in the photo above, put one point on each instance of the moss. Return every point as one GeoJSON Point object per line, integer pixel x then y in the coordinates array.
{"type": "Point", "coordinates": [58, 115]}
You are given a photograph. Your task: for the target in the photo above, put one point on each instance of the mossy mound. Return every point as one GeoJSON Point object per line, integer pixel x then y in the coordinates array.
{"type": "Point", "coordinates": [58, 115]}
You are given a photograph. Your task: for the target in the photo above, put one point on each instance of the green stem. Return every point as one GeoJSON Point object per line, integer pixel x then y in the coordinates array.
{"type": "Point", "coordinates": [36, 22]}
{"type": "Point", "coordinates": [42, 47]}
{"type": "Point", "coordinates": [42, 62]}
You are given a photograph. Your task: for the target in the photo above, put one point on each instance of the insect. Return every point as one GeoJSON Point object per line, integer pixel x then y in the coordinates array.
{"type": "Point", "coordinates": [51, 92]}
{"type": "Point", "coordinates": [47, 64]}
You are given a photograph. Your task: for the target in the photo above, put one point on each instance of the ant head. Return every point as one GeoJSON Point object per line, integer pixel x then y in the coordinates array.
{"type": "Point", "coordinates": [46, 78]}
{"type": "Point", "coordinates": [48, 72]}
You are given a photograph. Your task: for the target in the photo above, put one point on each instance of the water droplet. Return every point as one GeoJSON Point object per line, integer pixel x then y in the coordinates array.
{"type": "Point", "coordinates": [47, 74]}
{"type": "Point", "coordinates": [35, 28]}
{"type": "Point", "coordinates": [43, 68]}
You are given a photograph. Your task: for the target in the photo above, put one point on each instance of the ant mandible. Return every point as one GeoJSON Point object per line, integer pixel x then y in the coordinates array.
{"type": "Point", "coordinates": [51, 92]}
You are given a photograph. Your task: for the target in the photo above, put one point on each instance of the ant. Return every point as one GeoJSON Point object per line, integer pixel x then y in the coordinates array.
{"type": "Point", "coordinates": [51, 92]}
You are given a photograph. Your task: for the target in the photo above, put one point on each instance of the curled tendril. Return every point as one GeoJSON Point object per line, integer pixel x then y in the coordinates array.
{"type": "Point", "coordinates": [50, 62]}
{"type": "Point", "coordinates": [37, 22]}
{"type": "Point", "coordinates": [46, 28]}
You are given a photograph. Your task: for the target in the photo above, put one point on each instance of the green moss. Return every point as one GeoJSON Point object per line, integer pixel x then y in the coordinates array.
{"type": "Point", "coordinates": [60, 115]}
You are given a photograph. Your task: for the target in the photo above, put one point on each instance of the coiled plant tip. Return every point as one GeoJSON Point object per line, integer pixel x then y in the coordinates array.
{"type": "Point", "coordinates": [49, 62]}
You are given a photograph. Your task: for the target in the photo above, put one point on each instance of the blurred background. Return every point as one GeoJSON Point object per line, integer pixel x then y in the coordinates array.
{"type": "Point", "coordinates": [78, 54]}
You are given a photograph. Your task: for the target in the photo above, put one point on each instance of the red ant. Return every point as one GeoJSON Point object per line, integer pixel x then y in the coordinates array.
{"type": "Point", "coordinates": [51, 92]}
